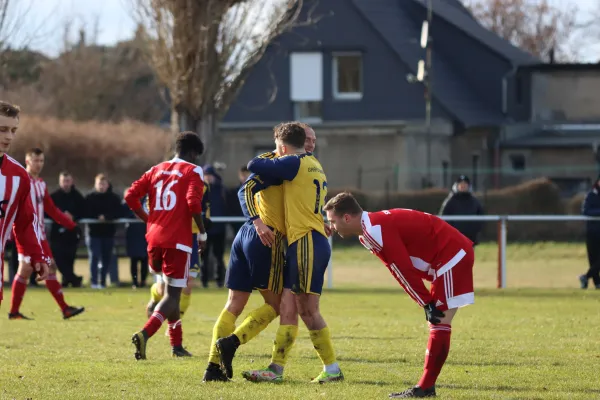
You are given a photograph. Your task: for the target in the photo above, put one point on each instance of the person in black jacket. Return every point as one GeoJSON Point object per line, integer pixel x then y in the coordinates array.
{"type": "Point", "coordinates": [136, 246]}
{"type": "Point", "coordinates": [63, 242]}
{"type": "Point", "coordinates": [105, 206]}
{"type": "Point", "coordinates": [216, 234]}
{"type": "Point", "coordinates": [234, 209]}
{"type": "Point", "coordinates": [591, 208]}
{"type": "Point", "coordinates": [461, 201]}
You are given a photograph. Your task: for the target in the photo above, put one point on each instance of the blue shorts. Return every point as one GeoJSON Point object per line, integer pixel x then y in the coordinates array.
{"type": "Point", "coordinates": [253, 265]}
{"type": "Point", "coordinates": [194, 258]}
{"type": "Point", "coordinates": [306, 262]}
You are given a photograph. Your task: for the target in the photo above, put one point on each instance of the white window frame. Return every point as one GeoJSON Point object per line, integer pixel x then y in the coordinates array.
{"type": "Point", "coordinates": [308, 120]}
{"type": "Point", "coordinates": [334, 75]}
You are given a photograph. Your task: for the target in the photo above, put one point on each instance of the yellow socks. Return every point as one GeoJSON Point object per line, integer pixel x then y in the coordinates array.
{"type": "Point", "coordinates": [154, 295]}
{"type": "Point", "coordinates": [255, 322]}
{"type": "Point", "coordinates": [184, 302]}
{"type": "Point", "coordinates": [321, 339]}
{"type": "Point", "coordinates": [284, 341]}
{"type": "Point", "coordinates": [224, 326]}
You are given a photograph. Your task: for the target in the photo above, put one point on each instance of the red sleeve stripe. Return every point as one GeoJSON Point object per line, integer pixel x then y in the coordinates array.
{"type": "Point", "coordinates": [411, 292]}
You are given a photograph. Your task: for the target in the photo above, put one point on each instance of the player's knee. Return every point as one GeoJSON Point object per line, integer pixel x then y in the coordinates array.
{"type": "Point", "coordinates": [25, 270]}
{"type": "Point", "coordinates": [53, 268]}
{"type": "Point", "coordinates": [236, 302]}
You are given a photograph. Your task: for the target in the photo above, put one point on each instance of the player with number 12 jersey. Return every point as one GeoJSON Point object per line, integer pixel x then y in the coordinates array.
{"type": "Point", "coordinates": [174, 189]}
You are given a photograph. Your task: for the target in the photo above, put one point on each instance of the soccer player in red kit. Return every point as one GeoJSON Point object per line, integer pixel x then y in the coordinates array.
{"type": "Point", "coordinates": [15, 200]}
{"type": "Point", "coordinates": [415, 246]}
{"type": "Point", "coordinates": [174, 189]}
{"type": "Point", "coordinates": [42, 203]}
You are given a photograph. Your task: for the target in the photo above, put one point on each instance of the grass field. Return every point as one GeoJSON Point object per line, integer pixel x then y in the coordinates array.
{"type": "Point", "coordinates": [536, 340]}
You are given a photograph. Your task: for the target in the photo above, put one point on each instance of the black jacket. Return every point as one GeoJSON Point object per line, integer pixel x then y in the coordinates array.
{"type": "Point", "coordinates": [107, 204]}
{"type": "Point", "coordinates": [591, 208]}
{"type": "Point", "coordinates": [463, 203]}
{"type": "Point", "coordinates": [72, 202]}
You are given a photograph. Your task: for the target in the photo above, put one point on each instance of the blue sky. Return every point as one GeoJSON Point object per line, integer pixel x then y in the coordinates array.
{"type": "Point", "coordinates": [114, 21]}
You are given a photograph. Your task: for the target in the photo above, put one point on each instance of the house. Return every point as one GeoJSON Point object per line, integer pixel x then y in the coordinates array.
{"type": "Point", "coordinates": [555, 126]}
{"type": "Point", "coordinates": [346, 75]}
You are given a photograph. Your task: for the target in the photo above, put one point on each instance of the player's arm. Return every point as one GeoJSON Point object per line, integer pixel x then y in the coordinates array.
{"type": "Point", "coordinates": [400, 265]}
{"type": "Point", "coordinates": [136, 193]}
{"type": "Point", "coordinates": [26, 232]}
{"type": "Point", "coordinates": [194, 196]}
{"type": "Point", "coordinates": [56, 214]}
{"type": "Point", "coordinates": [285, 168]}
{"type": "Point", "coordinates": [253, 185]}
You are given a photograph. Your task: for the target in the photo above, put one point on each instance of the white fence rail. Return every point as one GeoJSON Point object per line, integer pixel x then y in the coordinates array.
{"type": "Point", "coordinates": [502, 221]}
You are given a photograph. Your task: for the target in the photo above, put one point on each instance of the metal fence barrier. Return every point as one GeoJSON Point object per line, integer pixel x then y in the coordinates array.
{"type": "Point", "coordinates": [502, 221]}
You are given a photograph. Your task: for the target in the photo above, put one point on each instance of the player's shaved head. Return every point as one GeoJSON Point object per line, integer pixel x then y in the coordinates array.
{"type": "Point", "coordinates": [290, 134]}
{"type": "Point", "coordinates": [189, 144]}
{"type": "Point", "coordinates": [9, 110]}
{"type": "Point", "coordinates": [342, 204]}
{"type": "Point", "coordinates": [34, 151]}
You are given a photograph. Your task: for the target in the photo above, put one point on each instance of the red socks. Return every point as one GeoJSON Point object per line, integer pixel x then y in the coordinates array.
{"type": "Point", "coordinates": [154, 322]}
{"type": "Point", "coordinates": [18, 291]}
{"type": "Point", "coordinates": [438, 348]}
{"type": "Point", "coordinates": [55, 288]}
{"type": "Point", "coordinates": [175, 333]}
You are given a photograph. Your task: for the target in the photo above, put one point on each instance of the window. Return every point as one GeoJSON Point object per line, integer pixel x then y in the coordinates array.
{"type": "Point", "coordinates": [517, 162]}
{"type": "Point", "coordinates": [347, 76]}
{"type": "Point", "coordinates": [306, 86]}
{"type": "Point", "coordinates": [519, 90]}
{"type": "Point", "coordinates": [308, 111]}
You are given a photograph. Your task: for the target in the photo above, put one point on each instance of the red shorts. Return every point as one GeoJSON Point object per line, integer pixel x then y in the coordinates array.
{"type": "Point", "coordinates": [26, 258]}
{"type": "Point", "coordinates": [453, 285]}
{"type": "Point", "coordinates": [173, 263]}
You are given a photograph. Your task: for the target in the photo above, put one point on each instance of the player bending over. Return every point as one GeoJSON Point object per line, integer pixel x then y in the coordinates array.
{"type": "Point", "coordinates": [174, 190]}
{"type": "Point", "coordinates": [308, 253]}
{"type": "Point", "coordinates": [15, 199]}
{"type": "Point", "coordinates": [42, 203]}
{"type": "Point", "coordinates": [416, 246]}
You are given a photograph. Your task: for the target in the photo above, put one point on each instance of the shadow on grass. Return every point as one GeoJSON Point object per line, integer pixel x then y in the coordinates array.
{"type": "Point", "coordinates": [505, 388]}
{"type": "Point", "coordinates": [501, 293]}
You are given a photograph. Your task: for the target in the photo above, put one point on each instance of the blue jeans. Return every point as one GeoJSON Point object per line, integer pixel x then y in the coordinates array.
{"type": "Point", "coordinates": [100, 250]}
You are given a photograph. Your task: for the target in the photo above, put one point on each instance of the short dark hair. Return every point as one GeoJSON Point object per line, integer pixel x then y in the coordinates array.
{"type": "Point", "coordinates": [9, 110]}
{"type": "Point", "coordinates": [342, 204]}
{"type": "Point", "coordinates": [189, 142]}
{"type": "Point", "coordinates": [65, 173]}
{"type": "Point", "coordinates": [244, 169]}
{"type": "Point", "coordinates": [291, 133]}
{"type": "Point", "coordinates": [34, 151]}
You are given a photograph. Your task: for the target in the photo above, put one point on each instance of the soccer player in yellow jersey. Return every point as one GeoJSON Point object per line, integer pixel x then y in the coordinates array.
{"type": "Point", "coordinates": [308, 254]}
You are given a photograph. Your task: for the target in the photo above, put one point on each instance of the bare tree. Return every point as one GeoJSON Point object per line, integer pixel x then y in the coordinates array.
{"type": "Point", "coordinates": [536, 26]}
{"type": "Point", "coordinates": [203, 50]}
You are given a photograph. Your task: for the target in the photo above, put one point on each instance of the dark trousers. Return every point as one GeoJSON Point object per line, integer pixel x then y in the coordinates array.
{"type": "Point", "coordinates": [100, 251]}
{"type": "Point", "coordinates": [143, 261]}
{"type": "Point", "coordinates": [215, 244]}
{"type": "Point", "coordinates": [592, 243]}
{"type": "Point", "coordinates": [65, 253]}
{"type": "Point", "coordinates": [13, 261]}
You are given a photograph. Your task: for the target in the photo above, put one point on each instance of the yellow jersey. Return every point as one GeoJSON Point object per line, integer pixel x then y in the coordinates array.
{"type": "Point", "coordinates": [263, 198]}
{"type": "Point", "coordinates": [304, 191]}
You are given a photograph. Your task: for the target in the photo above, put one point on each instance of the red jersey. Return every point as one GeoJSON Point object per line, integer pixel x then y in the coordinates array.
{"type": "Point", "coordinates": [16, 208]}
{"type": "Point", "coordinates": [174, 190]}
{"type": "Point", "coordinates": [414, 246]}
{"type": "Point", "coordinates": [43, 203]}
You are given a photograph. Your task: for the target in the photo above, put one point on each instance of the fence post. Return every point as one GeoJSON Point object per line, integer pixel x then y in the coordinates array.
{"type": "Point", "coordinates": [502, 233]}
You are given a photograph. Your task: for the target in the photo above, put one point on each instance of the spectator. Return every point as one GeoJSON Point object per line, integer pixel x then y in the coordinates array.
{"type": "Point", "coordinates": [105, 206]}
{"type": "Point", "coordinates": [591, 208]}
{"type": "Point", "coordinates": [113, 270]}
{"type": "Point", "coordinates": [63, 242]}
{"type": "Point", "coordinates": [233, 203]}
{"type": "Point", "coordinates": [216, 234]}
{"type": "Point", "coordinates": [461, 201]}
{"type": "Point", "coordinates": [137, 247]}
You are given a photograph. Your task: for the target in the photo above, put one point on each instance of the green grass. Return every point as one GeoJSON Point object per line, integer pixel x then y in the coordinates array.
{"type": "Point", "coordinates": [517, 343]}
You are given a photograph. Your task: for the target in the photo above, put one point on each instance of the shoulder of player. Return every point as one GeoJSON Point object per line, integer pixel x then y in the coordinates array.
{"type": "Point", "coordinates": [371, 225]}
{"type": "Point", "coordinates": [15, 167]}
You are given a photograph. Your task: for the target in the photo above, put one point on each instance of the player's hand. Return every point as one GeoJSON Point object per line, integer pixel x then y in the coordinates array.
{"type": "Point", "coordinates": [266, 235]}
{"type": "Point", "coordinates": [432, 314]}
{"type": "Point", "coordinates": [328, 230]}
{"type": "Point", "coordinates": [78, 232]}
{"type": "Point", "coordinates": [201, 246]}
{"type": "Point", "coordinates": [41, 270]}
